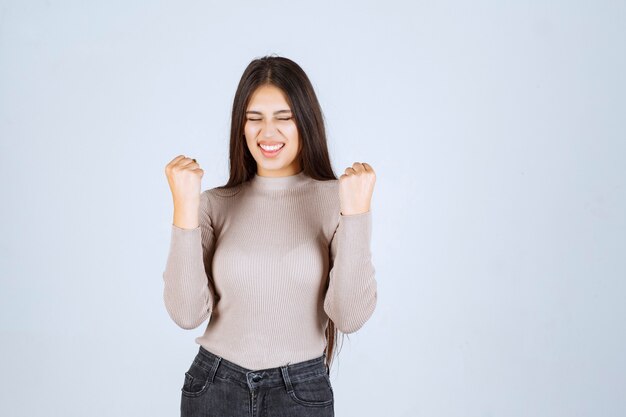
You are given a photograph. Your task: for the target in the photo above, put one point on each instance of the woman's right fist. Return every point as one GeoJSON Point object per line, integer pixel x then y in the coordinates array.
{"type": "Point", "coordinates": [184, 176]}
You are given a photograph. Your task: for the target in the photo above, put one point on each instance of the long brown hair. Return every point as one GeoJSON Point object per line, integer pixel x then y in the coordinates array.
{"type": "Point", "coordinates": [288, 76]}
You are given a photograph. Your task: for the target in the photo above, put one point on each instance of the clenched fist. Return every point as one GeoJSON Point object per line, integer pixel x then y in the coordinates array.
{"type": "Point", "coordinates": [356, 187]}
{"type": "Point", "coordinates": [184, 176]}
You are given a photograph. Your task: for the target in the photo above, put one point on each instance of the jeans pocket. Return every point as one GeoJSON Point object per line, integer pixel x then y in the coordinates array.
{"type": "Point", "coordinates": [313, 392]}
{"type": "Point", "coordinates": [196, 380]}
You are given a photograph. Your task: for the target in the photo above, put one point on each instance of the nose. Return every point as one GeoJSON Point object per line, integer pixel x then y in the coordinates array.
{"type": "Point", "coordinates": [268, 129]}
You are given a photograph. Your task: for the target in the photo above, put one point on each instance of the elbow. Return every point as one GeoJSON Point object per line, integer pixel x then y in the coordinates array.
{"type": "Point", "coordinates": [348, 328]}
{"type": "Point", "coordinates": [188, 322]}
{"type": "Point", "coordinates": [183, 316]}
{"type": "Point", "coordinates": [351, 320]}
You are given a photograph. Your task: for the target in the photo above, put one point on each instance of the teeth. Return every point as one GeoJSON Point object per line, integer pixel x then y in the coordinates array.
{"type": "Point", "coordinates": [272, 148]}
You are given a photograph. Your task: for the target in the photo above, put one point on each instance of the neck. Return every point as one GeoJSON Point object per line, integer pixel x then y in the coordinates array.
{"type": "Point", "coordinates": [279, 183]}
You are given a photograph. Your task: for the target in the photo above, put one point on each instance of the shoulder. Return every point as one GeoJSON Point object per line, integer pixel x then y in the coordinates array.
{"type": "Point", "coordinates": [223, 192]}
{"type": "Point", "coordinates": [326, 183]}
{"type": "Point", "coordinates": [326, 200]}
{"type": "Point", "coordinates": [328, 189]}
{"type": "Point", "coordinates": [215, 197]}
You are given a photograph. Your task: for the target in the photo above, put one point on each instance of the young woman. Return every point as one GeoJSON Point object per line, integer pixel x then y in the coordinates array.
{"type": "Point", "coordinates": [278, 259]}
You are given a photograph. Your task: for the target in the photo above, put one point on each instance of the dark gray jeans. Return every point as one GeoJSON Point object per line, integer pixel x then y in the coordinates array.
{"type": "Point", "coordinates": [215, 387]}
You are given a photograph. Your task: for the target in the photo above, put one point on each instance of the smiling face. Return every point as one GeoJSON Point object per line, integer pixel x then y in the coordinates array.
{"type": "Point", "coordinates": [271, 124]}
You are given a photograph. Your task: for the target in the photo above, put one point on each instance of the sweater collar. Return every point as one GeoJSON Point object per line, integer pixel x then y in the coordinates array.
{"type": "Point", "coordinates": [278, 183]}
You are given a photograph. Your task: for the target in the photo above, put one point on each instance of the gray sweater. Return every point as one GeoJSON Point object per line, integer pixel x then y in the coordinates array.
{"type": "Point", "coordinates": [269, 263]}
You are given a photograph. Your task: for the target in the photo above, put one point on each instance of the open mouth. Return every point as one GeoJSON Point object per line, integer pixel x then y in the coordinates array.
{"type": "Point", "coordinates": [271, 150]}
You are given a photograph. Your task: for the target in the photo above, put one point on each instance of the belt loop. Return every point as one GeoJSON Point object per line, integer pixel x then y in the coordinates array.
{"type": "Point", "coordinates": [325, 363]}
{"type": "Point", "coordinates": [283, 370]}
{"type": "Point", "coordinates": [216, 363]}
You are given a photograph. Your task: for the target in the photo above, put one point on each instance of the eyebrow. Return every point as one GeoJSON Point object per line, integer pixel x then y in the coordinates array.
{"type": "Point", "coordinates": [276, 112]}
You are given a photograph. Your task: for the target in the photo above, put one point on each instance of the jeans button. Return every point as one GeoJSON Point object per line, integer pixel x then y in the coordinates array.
{"type": "Point", "coordinates": [256, 378]}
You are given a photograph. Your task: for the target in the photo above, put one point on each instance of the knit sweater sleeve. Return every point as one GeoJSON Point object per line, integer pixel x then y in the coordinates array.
{"type": "Point", "coordinates": [352, 290]}
{"type": "Point", "coordinates": [187, 292]}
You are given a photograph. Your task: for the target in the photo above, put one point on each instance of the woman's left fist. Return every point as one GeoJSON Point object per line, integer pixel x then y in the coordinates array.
{"type": "Point", "coordinates": [356, 187]}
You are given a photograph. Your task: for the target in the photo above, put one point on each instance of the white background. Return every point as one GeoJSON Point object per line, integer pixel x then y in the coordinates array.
{"type": "Point", "coordinates": [496, 129]}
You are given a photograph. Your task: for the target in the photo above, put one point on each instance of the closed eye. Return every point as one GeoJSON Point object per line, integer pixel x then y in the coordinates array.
{"type": "Point", "coordinates": [281, 118]}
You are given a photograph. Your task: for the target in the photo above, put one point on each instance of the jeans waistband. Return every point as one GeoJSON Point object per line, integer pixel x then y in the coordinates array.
{"type": "Point", "coordinates": [267, 378]}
